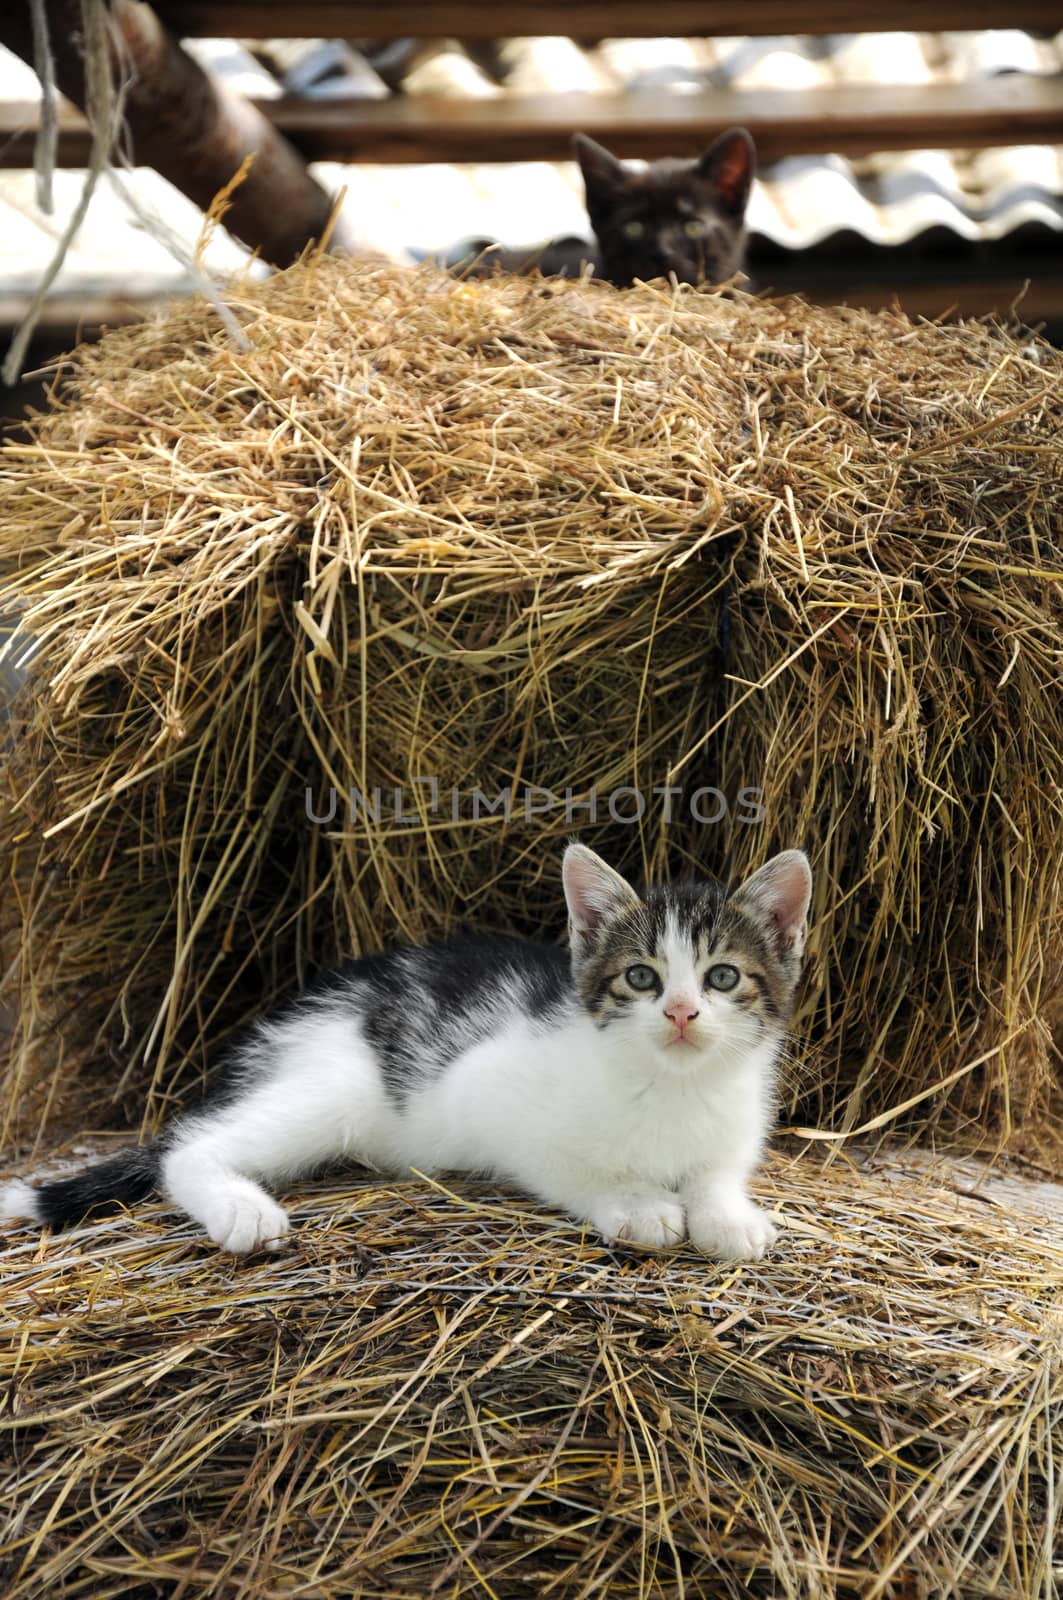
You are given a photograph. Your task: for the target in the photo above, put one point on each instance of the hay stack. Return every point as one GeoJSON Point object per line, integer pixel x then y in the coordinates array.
{"type": "Point", "coordinates": [507, 534]}
{"type": "Point", "coordinates": [441, 1395]}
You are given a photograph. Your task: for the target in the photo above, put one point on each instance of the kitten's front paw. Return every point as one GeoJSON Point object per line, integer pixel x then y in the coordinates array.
{"type": "Point", "coordinates": [244, 1222]}
{"type": "Point", "coordinates": [741, 1234]}
{"type": "Point", "coordinates": [645, 1220]}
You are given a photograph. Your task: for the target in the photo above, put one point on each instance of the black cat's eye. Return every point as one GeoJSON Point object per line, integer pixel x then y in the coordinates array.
{"type": "Point", "coordinates": [694, 229]}
{"type": "Point", "coordinates": [722, 976]}
{"type": "Point", "coordinates": [640, 976]}
{"type": "Point", "coordinates": [633, 230]}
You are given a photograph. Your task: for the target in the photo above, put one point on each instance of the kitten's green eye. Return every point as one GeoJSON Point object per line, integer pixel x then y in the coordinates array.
{"type": "Point", "coordinates": [722, 976]}
{"type": "Point", "coordinates": [694, 229]}
{"type": "Point", "coordinates": [640, 976]}
{"type": "Point", "coordinates": [633, 230]}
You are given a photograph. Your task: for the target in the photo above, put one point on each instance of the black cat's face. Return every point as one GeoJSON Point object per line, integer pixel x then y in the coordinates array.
{"type": "Point", "coordinates": [681, 218]}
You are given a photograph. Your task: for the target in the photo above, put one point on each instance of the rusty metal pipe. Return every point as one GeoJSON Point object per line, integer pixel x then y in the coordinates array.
{"type": "Point", "coordinates": [191, 128]}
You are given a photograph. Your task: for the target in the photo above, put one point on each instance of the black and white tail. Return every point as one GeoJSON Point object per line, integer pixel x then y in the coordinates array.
{"type": "Point", "coordinates": [122, 1180]}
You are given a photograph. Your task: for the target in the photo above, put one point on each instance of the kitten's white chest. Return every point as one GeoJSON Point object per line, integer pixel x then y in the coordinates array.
{"type": "Point", "coordinates": [528, 1102]}
{"type": "Point", "coordinates": [671, 1125]}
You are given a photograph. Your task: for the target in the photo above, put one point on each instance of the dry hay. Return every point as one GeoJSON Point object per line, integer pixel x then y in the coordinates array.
{"type": "Point", "coordinates": [505, 534]}
{"type": "Point", "coordinates": [439, 1394]}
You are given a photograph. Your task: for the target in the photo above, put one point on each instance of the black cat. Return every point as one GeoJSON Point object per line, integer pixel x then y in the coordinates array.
{"type": "Point", "coordinates": [685, 218]}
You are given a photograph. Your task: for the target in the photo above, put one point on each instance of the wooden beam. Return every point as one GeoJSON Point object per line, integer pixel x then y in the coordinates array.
{"type": "Point", "coordinates": [1033, 303]}
{"type": "Point", "coordinates": [192, 129]}
{"type": "Point", "coordinates": [844, 119]}
{"type": "Point", "coordinates": [649, 123]}
{"type": "Point", "coordinates": [972, 280]}
{"type": "Point", "coordinates": [18, 134]}
{"type": "Point", "coordinates": [1040, 299]}
{"type": "Point", "coordinates": [588, 19]}
{"type": "Point", "coordinates": [69, 318]}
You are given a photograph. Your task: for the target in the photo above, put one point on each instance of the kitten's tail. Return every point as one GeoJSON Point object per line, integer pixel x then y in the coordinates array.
{"type": "Point", "coordinates": [120, 1181]}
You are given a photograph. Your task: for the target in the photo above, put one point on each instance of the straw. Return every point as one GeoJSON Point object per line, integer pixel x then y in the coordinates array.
{"type": "Point", "coordinates": [439, 1390]}
{"type": "Point", "coordinates": [543, 537]}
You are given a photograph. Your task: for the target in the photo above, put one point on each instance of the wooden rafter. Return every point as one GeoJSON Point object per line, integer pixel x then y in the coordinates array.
{"type": "Point", "coordinates": [1034, 297]}
{"type": "Point", "coordinates": [850, 120]}
{"type": "Point", "coordinates": [589, 19]}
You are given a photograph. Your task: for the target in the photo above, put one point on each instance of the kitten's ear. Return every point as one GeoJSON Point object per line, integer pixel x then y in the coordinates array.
{"type": "Point", "coordinates": [600, 168]}
{"type": "Point", "coordinates": [594, 893]}
{"type": "Point", "coordinates": [729, 165]}
{"type": "Point", "coordinates": [778, 896]}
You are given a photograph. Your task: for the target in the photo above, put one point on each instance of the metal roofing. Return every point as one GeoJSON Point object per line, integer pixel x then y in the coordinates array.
{"type": "Point", "coordinates": [820, 203]}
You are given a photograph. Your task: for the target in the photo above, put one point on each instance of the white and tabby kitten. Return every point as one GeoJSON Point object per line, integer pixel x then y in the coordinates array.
{"type": "Point", "coordinates": [630, 1083]}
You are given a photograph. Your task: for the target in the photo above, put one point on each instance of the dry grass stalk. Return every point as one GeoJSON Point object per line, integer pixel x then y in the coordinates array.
{"type": "Point", "coordinates": [507, 533]}
{"type": "Point", "coordinates": [452, 1394]}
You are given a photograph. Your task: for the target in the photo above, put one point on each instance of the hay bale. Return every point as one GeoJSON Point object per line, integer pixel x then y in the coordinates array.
{"type": "Point", "coordinates": [455, 1395]}
{"type": "Point", "coordinates": [505, 534]}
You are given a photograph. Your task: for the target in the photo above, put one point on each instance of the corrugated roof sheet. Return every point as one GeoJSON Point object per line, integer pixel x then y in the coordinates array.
{"type": "Point", "coordinates": [799, 204]}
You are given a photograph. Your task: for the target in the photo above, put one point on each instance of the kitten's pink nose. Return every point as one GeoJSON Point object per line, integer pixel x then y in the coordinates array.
{"type": "Point", "coordinates": [681, 1011]}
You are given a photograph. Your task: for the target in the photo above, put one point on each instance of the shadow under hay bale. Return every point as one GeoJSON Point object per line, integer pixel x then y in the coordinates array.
{"type": "Point", "coordinates": [427, 538]}
{"type": "Point", "coordinates": [438, 1393]}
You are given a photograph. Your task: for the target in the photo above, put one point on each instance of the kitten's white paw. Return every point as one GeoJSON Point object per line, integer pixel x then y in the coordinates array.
{"type": "Point", "coordinates": [652, 1220]}
{"type": "Point", "coordinates": [735, 1234]}
{"type": "Point", "coordinates": [244, 1221]}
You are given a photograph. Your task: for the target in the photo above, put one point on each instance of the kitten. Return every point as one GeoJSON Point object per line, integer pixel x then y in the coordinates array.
{"type": "Point", "coordinates": [681, 217]}
{"type": "Point", "coordinates": [629, 1083]}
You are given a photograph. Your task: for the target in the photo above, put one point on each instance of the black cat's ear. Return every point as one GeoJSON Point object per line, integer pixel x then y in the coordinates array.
{"type": "Point", "coordinates": [600, 168]}
{"type": "Point", "coordinates": [594, 893]}
{"type": "Point", "coordinates": [730, 164]}
{"type": "Point", "coordinates": [777, 897]}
